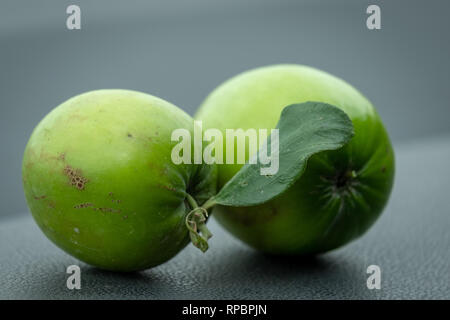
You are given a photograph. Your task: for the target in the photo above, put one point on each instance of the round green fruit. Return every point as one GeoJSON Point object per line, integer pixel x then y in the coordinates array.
{"type": "Point", "coordinates": [341, 193]}
{"type": "Point", "coordinates": [100, 183]}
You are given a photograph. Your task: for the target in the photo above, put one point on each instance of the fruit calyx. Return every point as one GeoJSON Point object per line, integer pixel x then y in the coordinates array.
{"type": "Point", "coordinates": [196, 224]}
{"type": "Point", "coordinates": [345, 178]}
{"type": "Point", "coordinates": [343, 182]}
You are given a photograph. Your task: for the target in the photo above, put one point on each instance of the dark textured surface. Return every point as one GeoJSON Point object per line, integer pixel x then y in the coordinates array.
{"type": "Point", "coordinates": [410, 243]}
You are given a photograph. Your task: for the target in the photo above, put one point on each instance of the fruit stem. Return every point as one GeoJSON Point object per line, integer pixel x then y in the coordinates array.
{"type": "Point", "coordinates": [196, 224]}
{"type": "Point", "coordinates": [211, 202]}
{"type": "Point", "coordinates": [191, 201]}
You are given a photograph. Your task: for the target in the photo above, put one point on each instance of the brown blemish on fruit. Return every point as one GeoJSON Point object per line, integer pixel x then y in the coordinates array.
{"type": "Point", "coordinates": [62, 156]}
{"type": "Point", "coordinates": [39, 198]}
{"type": "Point", "coordinates": [114, 200]}
{"type": "Point", "coordinates": [383, 169]}
{"type": "Point", "coordinates": [125, 217]}
{"type": "Point", "coordinates": [83, 205]}
{"type": "Point", "coordinates": [101, 209]}
{"type": "Point", "coordinates": [75, 177]}
{"type": "Point", "coordinates": [51, 205]}
{"type": "Point", "coordinates": [129, 135]}
{"type": "Point", "coordinates": [170, 188]}
{"type": "Point", "coordinates": [111, 210]}
{"type": "Point", "coordinates": [29, 164]}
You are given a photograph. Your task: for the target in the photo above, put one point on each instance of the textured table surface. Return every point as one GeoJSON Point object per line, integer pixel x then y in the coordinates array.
{"type": "Point", "coordinates": [410, 243]}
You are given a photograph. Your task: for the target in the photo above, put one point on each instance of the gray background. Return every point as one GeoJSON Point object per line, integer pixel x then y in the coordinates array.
{"type": "Point", "coordinates": [180, 50]}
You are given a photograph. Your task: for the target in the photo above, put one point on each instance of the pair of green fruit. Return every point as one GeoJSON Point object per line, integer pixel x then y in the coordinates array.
{"type": "Point", "coordinates": [100, 183]}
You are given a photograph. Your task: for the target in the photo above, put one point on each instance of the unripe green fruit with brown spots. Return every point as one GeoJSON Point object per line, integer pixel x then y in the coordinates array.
{"type": "Point", "coordinates": [100, 183]}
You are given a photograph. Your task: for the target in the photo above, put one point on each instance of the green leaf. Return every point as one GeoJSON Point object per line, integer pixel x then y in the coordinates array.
{"type": "Point", "coordinates": [304, 130]}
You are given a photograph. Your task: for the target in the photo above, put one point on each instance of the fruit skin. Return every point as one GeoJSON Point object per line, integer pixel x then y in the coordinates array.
{"type": "Point", "coordinates": [100, 183]}
{"type": "Point", "coordinates": [341, 193]}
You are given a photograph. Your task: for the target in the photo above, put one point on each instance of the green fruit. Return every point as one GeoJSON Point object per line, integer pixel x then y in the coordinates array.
{"type": "Point", "coordinates": [100, 183]}
{"type": "Point", "coordinates": [341, 193]}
